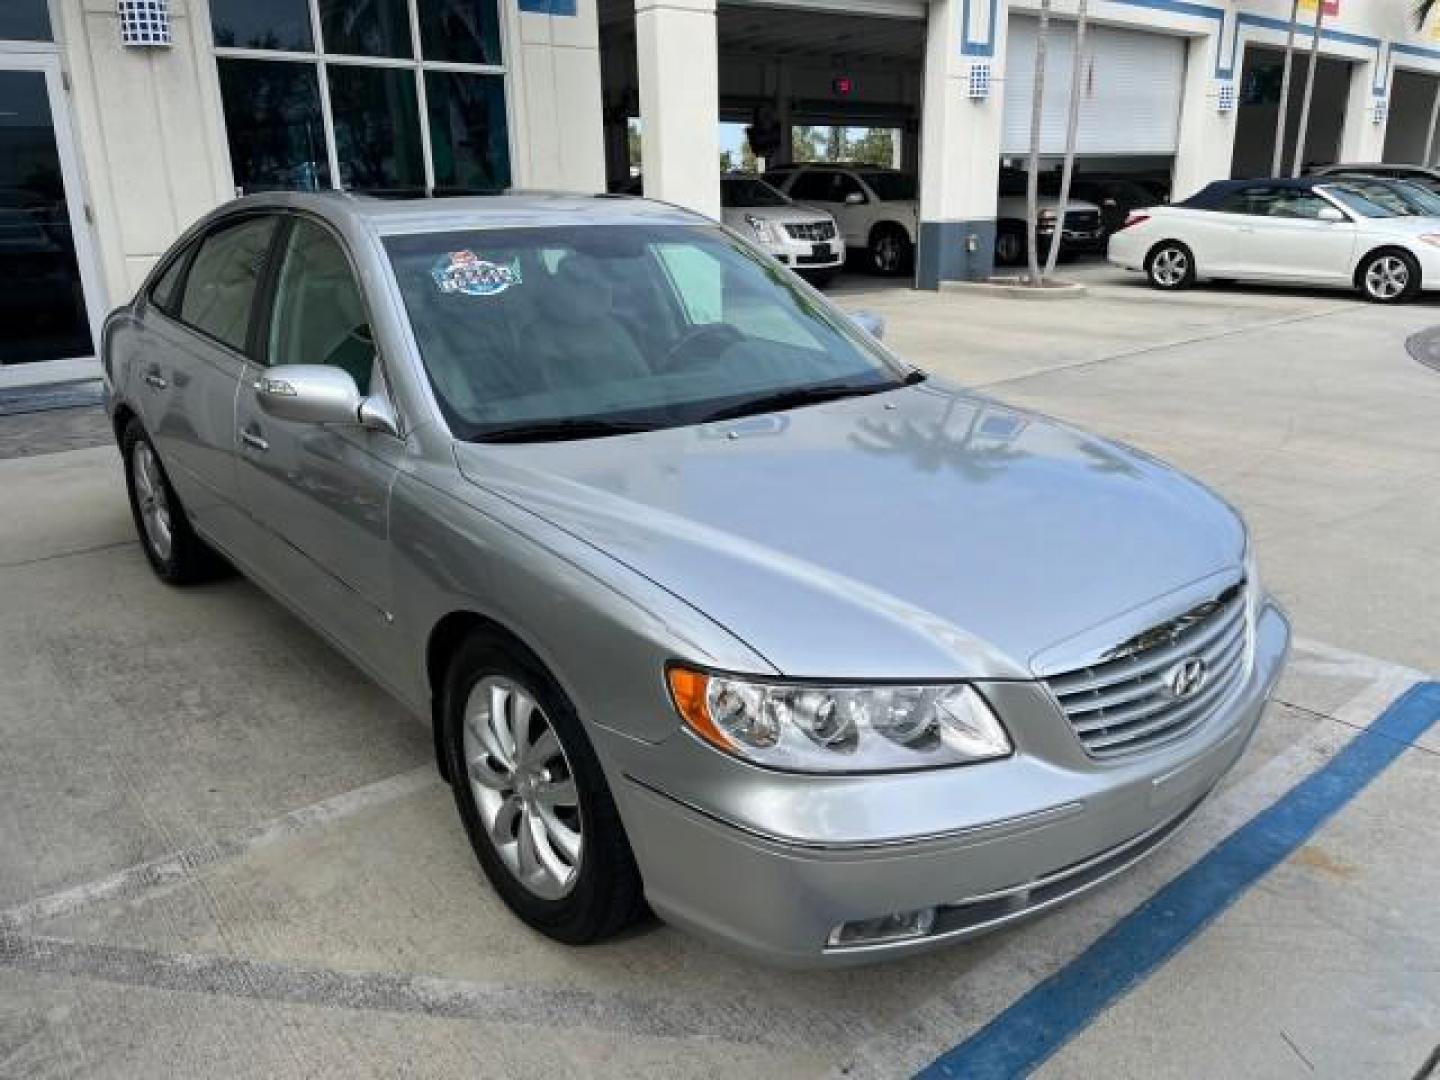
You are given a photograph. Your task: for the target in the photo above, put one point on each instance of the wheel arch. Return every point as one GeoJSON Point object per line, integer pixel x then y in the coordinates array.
{"type": "Point", "coordinates": [443, 641]}
{"type": "Point", "coordinates": [120, 419]}
{"type": "Point", "coordinates": [1380, 249]}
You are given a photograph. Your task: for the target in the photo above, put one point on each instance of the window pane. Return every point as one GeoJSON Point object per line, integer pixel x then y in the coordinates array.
{"type": "Point", "coordinates": [465, 31]}
{"type": "Point", "coordinates": [163, 294]}
{"type": "Point", "coordinates": [262, 24]}
{"type": "Point", "coordinates": [467, 131]}
{"type": "Point", "coordinates": [24, 20]}
{"type": "Point", "coordinates": [272, 118]}
{"type": "Point", "coordinates": [377, 128]}
{"type": "Point", "coordinates": [319, 316]}
{"type": "Point", "coordinates": [374, 28]}
{"type": "Point", "coordinates": [223, 278]}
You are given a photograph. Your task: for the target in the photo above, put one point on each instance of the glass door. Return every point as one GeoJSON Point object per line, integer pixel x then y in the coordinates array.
{"type": "Point", "coordinates": [48, 288]}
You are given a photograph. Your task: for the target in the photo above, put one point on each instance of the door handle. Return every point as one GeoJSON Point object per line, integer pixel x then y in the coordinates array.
{"type": "Point", "coordinates": [253, 440]}
{"type": "Point", "coordinates": [155, 379]}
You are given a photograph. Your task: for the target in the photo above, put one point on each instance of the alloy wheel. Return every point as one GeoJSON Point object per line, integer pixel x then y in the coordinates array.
{"type": "Point", "coordinates": [151, 498]}
{"type": "Point", "coordinates": [523, 787]}
{"type": "Point", "coordinates": [1387, 277]}
{"type": "Point", "coordinates": [1170, 267]}
{"type": "Point", "coordinates": [887, 253]}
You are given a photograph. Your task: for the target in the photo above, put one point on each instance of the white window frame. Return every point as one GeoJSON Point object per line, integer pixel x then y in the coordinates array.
{"type": "Point", "coordinates": [321, 60]}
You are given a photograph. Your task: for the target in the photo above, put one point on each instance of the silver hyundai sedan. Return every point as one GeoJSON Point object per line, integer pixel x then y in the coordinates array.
{"type": "Point", "coordinates": [715, 605]}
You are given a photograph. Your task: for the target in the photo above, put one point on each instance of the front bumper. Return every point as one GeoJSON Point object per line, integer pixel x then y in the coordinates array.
{"type": "Point", "coordinates": [771, 863]}
{"type": "Point", "coordinates": [806, 254]}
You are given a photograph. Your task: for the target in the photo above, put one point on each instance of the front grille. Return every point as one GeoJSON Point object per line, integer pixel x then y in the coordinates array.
{"type": "Point", "coordinates": [813, 231]}
{"type": "Point", "coordinates": [1082, 221]}
{"type": "Point", "coordinates": [1125, 702]}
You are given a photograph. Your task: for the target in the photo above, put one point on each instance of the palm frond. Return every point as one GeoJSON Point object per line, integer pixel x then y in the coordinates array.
{"type": "Point", "coordinates": [1421, 11]}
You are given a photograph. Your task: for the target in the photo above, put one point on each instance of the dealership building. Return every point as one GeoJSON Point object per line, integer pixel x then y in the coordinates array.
{"type": "Point", "coordinates": [121, 121]}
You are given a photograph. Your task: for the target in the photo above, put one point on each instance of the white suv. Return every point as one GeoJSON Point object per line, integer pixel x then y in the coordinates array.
{"type": "Point", "coordinates": [878, 209]}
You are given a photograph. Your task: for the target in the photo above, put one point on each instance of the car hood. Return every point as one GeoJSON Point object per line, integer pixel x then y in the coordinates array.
{"type": "Point", "coordinates": [735, 215]}
{"type": "Point", "coordinates": [921, 533]}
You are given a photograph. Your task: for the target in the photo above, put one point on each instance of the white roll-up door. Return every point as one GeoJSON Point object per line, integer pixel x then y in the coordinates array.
{"type": "Point", "coordinates": [1131, 83]}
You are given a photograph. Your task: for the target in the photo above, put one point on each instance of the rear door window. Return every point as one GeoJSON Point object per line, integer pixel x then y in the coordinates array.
{"type": "Point", "coordinates": [224, 279]}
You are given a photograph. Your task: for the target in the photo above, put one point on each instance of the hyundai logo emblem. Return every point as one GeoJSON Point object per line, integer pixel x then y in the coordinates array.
{"type": "Point", "coordinates": [1186, 678]}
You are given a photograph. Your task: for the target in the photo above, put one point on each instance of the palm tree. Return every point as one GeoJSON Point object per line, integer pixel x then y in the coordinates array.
{"type": "Point", "coordinates": [1281, 115]}
{"type": "Point", "coordinates": [1299, 163]}
{"type": "Point", "coordinates": [1037, 113]}
{"type": "Point", "coordinates": [1072, 128]}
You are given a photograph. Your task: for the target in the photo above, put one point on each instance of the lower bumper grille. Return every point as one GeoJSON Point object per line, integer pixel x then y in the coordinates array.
{"type": "Point", "coordinates": [1162, 683]}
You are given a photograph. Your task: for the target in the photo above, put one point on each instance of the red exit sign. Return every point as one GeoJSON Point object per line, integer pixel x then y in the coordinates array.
{"type": "Point", "coordinates": [843, 86]}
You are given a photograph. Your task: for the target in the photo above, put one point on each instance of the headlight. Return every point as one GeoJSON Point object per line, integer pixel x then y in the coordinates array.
{"type": "Point", "coordinates": [810, 728]}
{"type": "Point", "coordinates": [761, 228]}
{"type": "Point", "coordinates": [1048, 215]}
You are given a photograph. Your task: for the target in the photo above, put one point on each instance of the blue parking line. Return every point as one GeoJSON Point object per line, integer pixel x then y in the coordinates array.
{"type": "Point", "coordinates": [1056, 1010]}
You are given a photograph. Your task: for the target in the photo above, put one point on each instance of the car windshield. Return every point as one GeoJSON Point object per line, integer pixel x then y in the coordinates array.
{"type": "Point", "coordinates": [1361, 202]}
{"type": "Point", "coordinates": [574, 331]}
{"type": "Point", "coordinates": [1404, 199]}
{"type": "Point", "coordinates": [740, 191]}
{"type": "Point", "coordinates": [890, 186]}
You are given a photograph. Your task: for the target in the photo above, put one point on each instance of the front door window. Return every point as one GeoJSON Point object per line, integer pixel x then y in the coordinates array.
{"type": "Point", "coordinates": [42, 301]}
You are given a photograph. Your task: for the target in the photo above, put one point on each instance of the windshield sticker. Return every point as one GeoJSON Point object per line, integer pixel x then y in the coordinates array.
{"type": "Point", "coordinates": [465, 272]}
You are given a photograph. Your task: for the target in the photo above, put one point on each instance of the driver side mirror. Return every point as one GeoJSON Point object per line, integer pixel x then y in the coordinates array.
{"type": "Point", "coordinates": [320, 394]}
{"type": "Point", "coordinates": [1329, 213]}
{"type": "Point", "coordinates": [872, 324]}
{"type": "Point", "coordinates": [855, 198]}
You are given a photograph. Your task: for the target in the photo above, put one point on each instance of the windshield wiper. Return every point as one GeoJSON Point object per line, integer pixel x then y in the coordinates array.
{"type": "Point", "coordinates": [807, 395]}
{"type": "Point", "coordinates": [561, 430]}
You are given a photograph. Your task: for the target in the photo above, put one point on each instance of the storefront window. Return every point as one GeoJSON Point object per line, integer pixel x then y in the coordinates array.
{"type": "Point", "coordinates": [467, 131]}
{"type": "Point", "coordinates": [262, 24]}
{"type": "Point", "coordinates": [460, 31]}
{"type": "Point", "coordinates": [371, 140]}
{"type": "Point", "coordinates": [272, 115]}
{"type": "Point", "coordinates": [377, 129]}
{"type": "Point", "coordinates": [377, 28]}
{"type": "Point", "coordinates": [24, 20]}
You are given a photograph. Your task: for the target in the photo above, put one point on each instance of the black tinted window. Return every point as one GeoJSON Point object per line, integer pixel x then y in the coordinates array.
{"type": "Point", "coordinates": [221, 286]}
{"type": "Point", "coordinates": [819, 186]}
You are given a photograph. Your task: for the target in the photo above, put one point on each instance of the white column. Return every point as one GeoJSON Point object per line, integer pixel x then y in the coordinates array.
{"type": "Point", "coordinates": [959, 148]}
{"type": "Point", "coordinates": [1362, 139]}
{"type": "Point", "coordinates": [1207, 136]}
{"type": "Point", "coordinates": [679, 102]}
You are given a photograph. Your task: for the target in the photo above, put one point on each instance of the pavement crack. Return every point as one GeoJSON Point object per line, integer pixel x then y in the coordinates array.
{"type": "Point", "coordinates": [65, 554]}
{"type": "Point", "coordinates": [1361, 728]}
{"type": "Point", "coordinates": [1298, 1052]}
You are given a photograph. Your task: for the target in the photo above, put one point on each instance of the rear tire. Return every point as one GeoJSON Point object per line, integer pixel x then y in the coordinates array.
{"type": "Point", "coordinates": [1170, 266]}
{"type": "Point", "coordinates": [1389, 277]}
{"type": "Point", "coordinates": [891, 252]}
{"type": "Point", "coordinates": [175, 552]}
{"type": "Point", "coordinates": [579, 883]}
{"type": "Point", "coordinates": [1009, 246]}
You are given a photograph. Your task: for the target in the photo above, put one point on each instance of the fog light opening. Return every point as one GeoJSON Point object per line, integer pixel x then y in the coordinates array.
{"type": "Point", "coordinates": [898, 926]}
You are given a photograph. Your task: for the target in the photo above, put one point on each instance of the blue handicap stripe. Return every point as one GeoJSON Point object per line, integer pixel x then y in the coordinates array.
{"type": "Point", "coordinates": [1056, 1010]}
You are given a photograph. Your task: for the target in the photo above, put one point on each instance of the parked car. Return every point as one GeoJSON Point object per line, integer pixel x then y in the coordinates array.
{"type": "Point", "coordinates": [1306, 231]}
{"type": "Point", "coordinates": [1420, 174]}
{"type": "Point", "coordinates": [713, 602]}
{"type": "Point", "coordinates": [798, 236]}
{"type": "Point", "coordinates": [1084, 230]}
{"type": "Point", "coordinates": [878, 210]}
{"type": "Point", "coordinates": [1116, 196]}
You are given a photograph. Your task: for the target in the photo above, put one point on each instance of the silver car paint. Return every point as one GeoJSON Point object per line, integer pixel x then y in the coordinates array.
{"type": "Point", "coordinates": [925, 533]}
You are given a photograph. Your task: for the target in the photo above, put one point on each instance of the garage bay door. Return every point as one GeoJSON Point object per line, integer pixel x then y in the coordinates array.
{"type": "Point", "coordinates": [1130, 88]}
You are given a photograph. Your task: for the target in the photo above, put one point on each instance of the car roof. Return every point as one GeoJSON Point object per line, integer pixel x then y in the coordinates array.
{"type": "Point", "coordinates": [1213, 194]}
{"type": "Point", "coordinates": [512, 210]}
{"type": "Point", "coordinates": [847, 166]}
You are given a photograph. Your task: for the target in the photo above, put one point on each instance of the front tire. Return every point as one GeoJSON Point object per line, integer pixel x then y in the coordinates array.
{"type": "Point", "coordinates": [533, 798]}
{"type": "Point", "coordinates": [1170, 266]}
{"type": "Point", "coordinates": [1010, 246]}
{"type": "Point", "coordinates": [1389, 277]}
{"type": "Point", "coordinates": [176, 554]}
{"type": "Point", "coordinates": [890, 250]}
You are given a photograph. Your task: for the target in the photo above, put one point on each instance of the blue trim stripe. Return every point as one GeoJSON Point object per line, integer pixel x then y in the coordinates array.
{"type": "Point", "coordinates": [1056, 1010]}
{"type": "Point", "coordinates": [548, 7]}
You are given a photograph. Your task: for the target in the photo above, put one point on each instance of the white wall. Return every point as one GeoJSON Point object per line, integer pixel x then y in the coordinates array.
{"type": "Point", "coordinates": [556, 115]}
{"type": "Point", "coordinates": [151, 142]}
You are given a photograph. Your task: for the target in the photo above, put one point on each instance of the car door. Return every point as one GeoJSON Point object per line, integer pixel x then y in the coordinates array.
{"type": "Point", "coordinates": [198, 336]}
{"type": "Point", "coordinates": [321, 492]}
{"type": "Point", "coordinates": [1283, 237]}
{"type": "Point", "coordinates": [824, 189]}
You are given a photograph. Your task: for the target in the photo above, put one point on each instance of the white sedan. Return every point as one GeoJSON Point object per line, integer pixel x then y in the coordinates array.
{"type": "Point", "coordinates": [1309, 231]}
